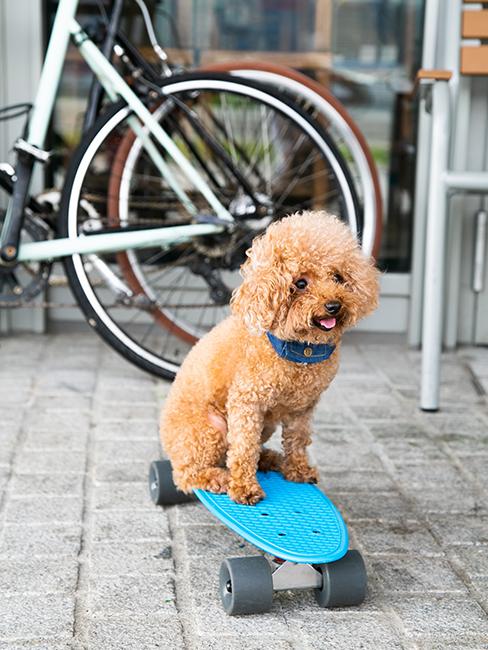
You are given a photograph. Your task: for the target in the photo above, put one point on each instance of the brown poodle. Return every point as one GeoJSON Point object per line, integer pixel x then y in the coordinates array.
{"type": "Point", "coordinates": [305, 281]}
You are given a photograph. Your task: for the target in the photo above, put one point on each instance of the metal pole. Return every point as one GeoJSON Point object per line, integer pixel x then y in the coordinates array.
{"type": "Point", "coordinates": [435, 250]}
{"type": "Point", "coordinates": [432, 29]}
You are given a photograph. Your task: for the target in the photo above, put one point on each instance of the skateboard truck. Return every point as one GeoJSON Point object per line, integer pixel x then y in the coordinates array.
{"type": "Point", "coordinates": [289, 575]}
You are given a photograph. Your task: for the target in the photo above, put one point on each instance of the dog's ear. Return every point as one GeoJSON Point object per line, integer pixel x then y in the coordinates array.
{"type": "Point", "coordinates": [364, 286]}
{"type": "Point", "coordinates": [265, 290]}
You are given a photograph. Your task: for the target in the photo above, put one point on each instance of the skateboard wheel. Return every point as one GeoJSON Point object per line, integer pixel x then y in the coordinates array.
{"type": "Point", "coordinates": [162, 489]}
{"type": "Point", "coordinates": [343, 582]}
{"type": "Point", "coordinates": [246, 585]}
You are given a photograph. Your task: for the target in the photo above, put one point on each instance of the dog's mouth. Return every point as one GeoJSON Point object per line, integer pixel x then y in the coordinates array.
{"type": "Point", "coordinates": [325, 323]}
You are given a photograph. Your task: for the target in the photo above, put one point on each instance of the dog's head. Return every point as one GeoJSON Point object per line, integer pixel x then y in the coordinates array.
{"type": "Point", "coordinates": [306, 279]}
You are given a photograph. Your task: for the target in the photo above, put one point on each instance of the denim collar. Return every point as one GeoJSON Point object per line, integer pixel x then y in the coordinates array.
{"type": "Point", "coordinates": [301, 352]}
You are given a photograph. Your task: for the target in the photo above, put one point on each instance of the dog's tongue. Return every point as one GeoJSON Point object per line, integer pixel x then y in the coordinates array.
{"type": "Point", "coordinates": [328, 322]}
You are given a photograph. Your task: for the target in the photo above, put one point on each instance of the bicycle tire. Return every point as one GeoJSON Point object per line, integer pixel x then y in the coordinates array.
{"type": "Point", "coordinates": [289, 80]}
{"type": "Point", "coordinates": [96, 314]}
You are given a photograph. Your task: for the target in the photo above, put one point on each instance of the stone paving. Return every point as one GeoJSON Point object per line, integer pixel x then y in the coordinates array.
{"type": "Point", "coordinates": [86, 561]}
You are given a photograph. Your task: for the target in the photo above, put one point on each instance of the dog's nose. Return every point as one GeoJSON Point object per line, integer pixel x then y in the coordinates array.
{"type": "Point", "coordinates": [333, 307]}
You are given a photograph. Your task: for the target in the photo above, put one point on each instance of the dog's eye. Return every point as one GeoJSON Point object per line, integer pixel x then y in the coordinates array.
{"type": "Point", "coordinates": [301, 284]}
{"type": "Point", "coordinates": [338, 278]}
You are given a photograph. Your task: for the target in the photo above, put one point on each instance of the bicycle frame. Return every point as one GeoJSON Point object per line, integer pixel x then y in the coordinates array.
{"type": "Point", "coordinates": [143, 124]}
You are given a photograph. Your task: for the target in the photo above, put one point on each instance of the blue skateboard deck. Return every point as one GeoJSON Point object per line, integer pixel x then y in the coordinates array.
{"type": "Point", "coordinates": [295, 521]}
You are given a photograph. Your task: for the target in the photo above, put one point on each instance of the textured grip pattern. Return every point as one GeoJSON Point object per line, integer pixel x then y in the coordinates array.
{"type": "Point", "coordinates": [295, 521]}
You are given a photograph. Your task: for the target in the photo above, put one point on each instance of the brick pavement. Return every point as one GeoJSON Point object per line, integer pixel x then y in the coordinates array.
{"type": "Point", "coordinates": [86, 561]}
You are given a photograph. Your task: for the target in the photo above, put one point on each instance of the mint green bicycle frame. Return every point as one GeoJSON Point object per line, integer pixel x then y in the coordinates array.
{"type": "Point", "coordinates": [142, 123]}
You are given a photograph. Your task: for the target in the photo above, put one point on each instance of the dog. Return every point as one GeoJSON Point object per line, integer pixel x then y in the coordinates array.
{"type": "Point", "coordinates": [305, 281]}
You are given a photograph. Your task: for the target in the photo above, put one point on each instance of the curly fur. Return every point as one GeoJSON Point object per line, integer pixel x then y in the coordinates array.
{"type": "Point", "coordinates": [233, 389]}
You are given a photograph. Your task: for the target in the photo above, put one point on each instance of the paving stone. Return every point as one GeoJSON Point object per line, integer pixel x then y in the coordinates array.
{"type": "Point", "coordinates": [398, 429]}
{"type": "Point", "coordinates": [382, 506]}
{"type": "Point", "coordinates": [411, 450]}
{"type": "Point", "coordinates": [396, 538]}
{"type": "Point", "coordinates": [332, 415]}
{"type": "Point", "coordinates": [386, 410]}
{"type": "Point", "coordinates": [145, 394]}
{"type": "Point", "coordinates": [194, 514]}
{"type": "Point", "coordinates": [55, 440]}
{"type": "Point", "coordinates": [474, 559]}
{"type": "Point", "coordinates": [434, 474]}
{"type": "Point", "coordinates": [120, 430]}
{"type": "Point", "coordinates": [130, 526]}
{"type": "Point", "coordinates": [122, 496]}
{"type": "Point", "coordinates": [43, 539]}
{"type": "Point", "coordinates": [162, 631]}
{"type": "Point", "coordinates": [80, 403]}
{"type": "Point", "coordinates": [131, 595]}
{"type": "Point", "coordinates": [211, 620]}
{"type": "Point", "coordinates": [416, 575]}
{"type": "Point", "coordinates": [36, 617]}
{"type": "Point", "coordinates": [111, 451]}
{"type": "Point", "coordinates": [465, 424]}
{"type": "Point", "coordinates": [441, 617]}
{"type": "Point", "coordinates": [446, 499]}
{"type": "Point", "coordinates": [41, 575]}
{"type": "Point", "coordinates": [129, 472]}
{"type": "Point", "coordinates": [4, 480]}
{"type": "Point", "coordinates": [479, 585]}
{"type": "Point", "coordinates": [477, 465]}
{"type": "Point", "coordinates": [347, 630]}
{"type": "Point", "coordinates": [335, 435]}
{"type": "Point", "coordinates": [25, 485]}
{"type": "Point", "coordinates": [460, 529]}
{"type": "Point", "coordinates": [236, 643]}
{"type": "Point", "coordinates": [121, 558]}
{"type": "Point", "coordinates": [127, 412]}
{"type": "Point", "coordinates": [29, 645]}
{"type": "Point", "coordinates": [460, 642]}
{"type": "Point", "coordinates": [66, 381]}
{"type": "Point", "coordinates": [346, 456]}
{"type": "Point", "coordinates": [7, 450]}
{"type": "Point", "coordinates": [69, 420]}
{"type": "Point", "coordinates": [9, 431]}
{"type": "Point", "coordinates": [17, 395]}
{"type": "Point", "coordinates": [41, 510]}
{"type": "Point", "coordinates": [351, 480]}
{"type": "Point", "coordinates": [48, 462]}
{"type": "Point", "coordinates": [209, 541]}
{"type": "Point", "coordinates": [466, 445]}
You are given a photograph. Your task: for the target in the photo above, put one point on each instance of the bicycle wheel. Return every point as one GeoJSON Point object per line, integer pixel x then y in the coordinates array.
{"type": "Point", "coordinates": [321, 103]}
{"type": "Point", "coordinates": [262, 156]}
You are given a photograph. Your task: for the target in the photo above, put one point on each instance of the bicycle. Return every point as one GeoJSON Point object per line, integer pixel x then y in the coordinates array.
{"type": "Point", "coordinates": [170, 184]}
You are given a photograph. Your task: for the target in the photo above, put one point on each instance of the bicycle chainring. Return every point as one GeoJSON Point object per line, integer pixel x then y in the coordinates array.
{"type": "Point", "coordinates": [23, 281]}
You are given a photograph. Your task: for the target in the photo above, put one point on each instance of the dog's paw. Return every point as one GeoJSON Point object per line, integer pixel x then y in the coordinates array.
{"type": "Point", "coordinates": [249, 493]}
{"type": "Point", "coordinates": [300, 473]}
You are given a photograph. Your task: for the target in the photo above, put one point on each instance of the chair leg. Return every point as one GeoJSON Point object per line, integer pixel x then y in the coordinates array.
{"type": "Point", "coordinates": [435, 250]}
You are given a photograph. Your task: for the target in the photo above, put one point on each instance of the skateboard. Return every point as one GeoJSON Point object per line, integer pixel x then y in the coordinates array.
{"type": "Point", "coordinates": [296, 524]}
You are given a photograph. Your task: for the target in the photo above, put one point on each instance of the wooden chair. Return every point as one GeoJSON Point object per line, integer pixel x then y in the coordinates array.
{"type": "Point", "coordinates": [440, 97]}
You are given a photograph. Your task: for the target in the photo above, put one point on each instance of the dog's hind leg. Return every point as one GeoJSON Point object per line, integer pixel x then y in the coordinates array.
{"type": "Point", "coordinates": [270, 460]}
{"type": "Point", "coordinates": [197, 448]}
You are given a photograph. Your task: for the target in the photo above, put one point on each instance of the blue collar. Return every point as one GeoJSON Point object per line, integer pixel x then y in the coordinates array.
{"type": "Point", "coordinates": [301, 352]}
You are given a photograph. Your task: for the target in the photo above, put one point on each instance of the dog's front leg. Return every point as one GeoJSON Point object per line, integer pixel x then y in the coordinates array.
{"type": "Point", "coordinates": [245, 423]}
{"type": "Point", "coordinates": [297, 436]}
